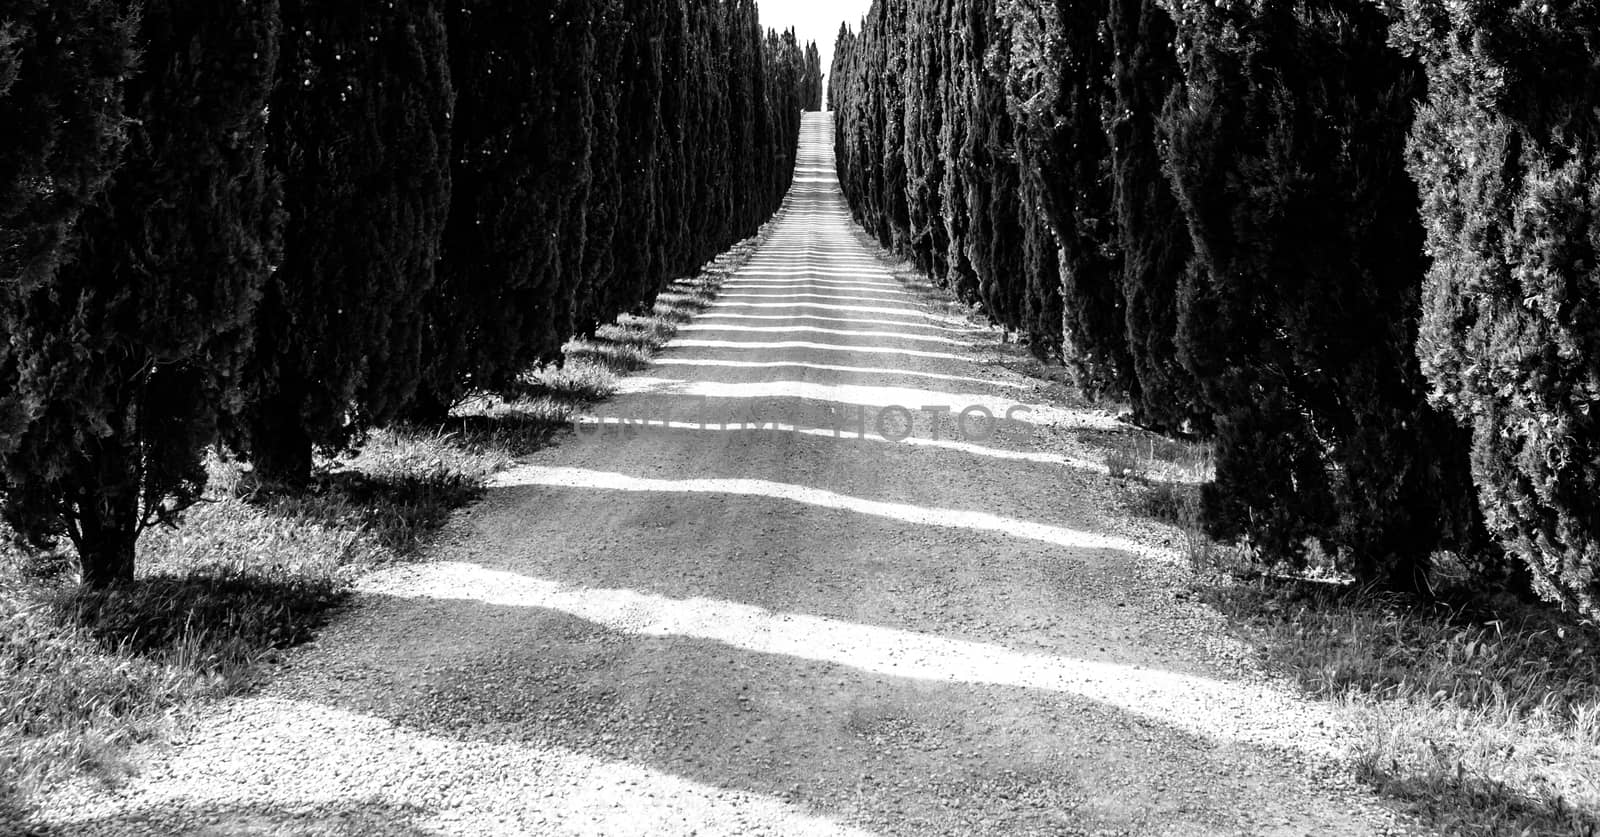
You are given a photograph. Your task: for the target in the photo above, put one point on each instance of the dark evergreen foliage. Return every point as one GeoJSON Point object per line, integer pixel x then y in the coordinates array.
{"type": "Point", "coordinates": [1300, 306]}
{"type": "Point", "coordinates": [62, 68]}
{"type": "Point", "coordinates": [436, 245]}
{"type": "Point", "coordinates": [1152, 234]}
{"type": "Point", "coordinates": [361, 136]}
{"type": "Point", "coordinates": [1056, 78]}
{"type": "Point", "coordinates": [1506, 150]}
{"type": "Point", "coordinates": [970, 141]}
{"type": "Point", "coordinates": [811, 79]}
{"type": "Point", "coordinates": [1203, 209]}
{"type": "Point", "coordinates": [600, 151]}
{"type": "Point", "coordinates": [129, 353]}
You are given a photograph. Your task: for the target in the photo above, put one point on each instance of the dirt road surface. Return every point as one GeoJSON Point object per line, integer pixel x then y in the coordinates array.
{"type": "Point", "coordinates": [706, 628]}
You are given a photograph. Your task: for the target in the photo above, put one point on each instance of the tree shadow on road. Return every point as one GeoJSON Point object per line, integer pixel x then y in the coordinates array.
{"type": "Point", "coordinates": [202, 820]}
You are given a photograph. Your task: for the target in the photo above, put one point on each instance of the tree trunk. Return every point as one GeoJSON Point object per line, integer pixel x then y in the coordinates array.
{"type": "Point", "coordinates": [108, 528]}
{"type": "Point", "coordinates": [283, 458]}
{"type": "Point", "coordinates": [427, 408]}
{"type": "Point", "coordinates": [280, 447]}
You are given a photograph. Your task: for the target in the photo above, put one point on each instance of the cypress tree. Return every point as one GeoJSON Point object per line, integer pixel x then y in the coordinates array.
{"type": "Point", "coordinates": [1057, 94]}
{"type": "Point", "coordinates": [710, 211]}
{"type": "Point", "coordinates": [603, 200]}
{"type": "Point", "coordinates": [1152, 234]}
{"type": "Point", "coordinates": [1506, 150]}
{"type": "Point", "coordinates": [677, 155]}
{"type": "Point", "coordinates": [894, 214]}
{"type": "Point", "coordinates": [361, 134]}
{"type": "Point", "coordinates": [514, 240]}
{"type": "Point", "coordinates": [956, 100]}
{"type": "Point", "coordinates": [637, 236]}
{"type": "Point", "coordinates": [746, 47]}
{"type": "Point", "coordinates": [1299, 312]}
{"type": "Point", "coordinates": [62, 68]}
{"type": "Point", "coordinates": [992, 178]}
{"type": "Point", "coordinates": [811, 87]}
{"type": "Point", "coordinates": [921, 88]}
{"type": "Point", "coordinates": [130, 352]}
{"type": "Point", "coordinates": [844, 45]}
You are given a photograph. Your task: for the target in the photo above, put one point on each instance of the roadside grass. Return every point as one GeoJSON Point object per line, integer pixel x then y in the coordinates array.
{"type": "Point", "coordinates": [1159, 479]}
{"type": "Point", "coordinates": [252, 572]}
{"type": "Point", "coordinates": [1479, 715]}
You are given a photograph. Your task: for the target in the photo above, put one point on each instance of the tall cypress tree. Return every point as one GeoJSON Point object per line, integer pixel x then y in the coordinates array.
{"type": "Point", "coordinates": [960, 62]}
{"type": "Point", "coordinates": [811, 87]}
{"type": "Point", "coordinates": [130, 352]}
{"type": "Point", "coordinates": [1506, 149]}
{"type": "Point", "coordinates": [604, 197]}
{"type": "Point", "coordinates": [1057, 70]}
{"type": "Point", "coordinates": [361, 134]}
{"type": "Point", "coordinates": [926, 241]}
{"type": "Point", "coordinates": [1152, 234]}
{"type": "Point", "coordinates": [637, 235]}
{"type": "Point", "coordinates": [1300, 310]}
{"type": "Point", "coordinates": [62, 68]}
{"type": "Point", "coordinates": [514, 240]}
{"type": "Point", "coordinates": [992, 178]}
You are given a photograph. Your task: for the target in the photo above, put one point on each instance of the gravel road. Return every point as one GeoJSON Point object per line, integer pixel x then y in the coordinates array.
{"type": "Point", "coordinates": [706, 628]}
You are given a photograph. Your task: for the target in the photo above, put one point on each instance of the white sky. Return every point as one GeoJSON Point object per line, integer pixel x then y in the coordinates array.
{"type": "Point", "coordinates": [814, 20]}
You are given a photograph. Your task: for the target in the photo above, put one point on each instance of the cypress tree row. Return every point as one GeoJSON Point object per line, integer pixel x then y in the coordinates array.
{"type": "Point", "coordinates": [1206, 210]}
{"type": "Point", "coordinates": [127, 353]}
{"type": "Point", "coordinates": [519, 176]}
{"type": "Point", "coordinates": [435, 245]}
{"type": "Point", "coordinates": [974, 183]}
{"type": "Point", "coordinates": [1506, 149]}
{"type": "Point", "coordinates": [604, 149]}
{"type": "Point", "coordinates": [361, 136]}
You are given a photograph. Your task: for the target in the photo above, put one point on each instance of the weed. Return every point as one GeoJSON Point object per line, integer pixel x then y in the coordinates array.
{"type": "Point", "coordinates": [1121, 464]}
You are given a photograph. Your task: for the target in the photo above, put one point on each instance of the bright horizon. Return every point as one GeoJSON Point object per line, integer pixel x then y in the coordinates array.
{"type": "Point", "coordinates": [814, 20]}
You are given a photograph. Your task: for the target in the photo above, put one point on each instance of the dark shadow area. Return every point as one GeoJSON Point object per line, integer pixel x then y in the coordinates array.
{"type": "Point", "coordinates": [511, 432]}
{"type": "Point", "coordinates": [1464, 806]}
{"type": "Point", "coordinates": [1476, 652]}
{"type": "Point", "coordinates": [1164, 501]}
{"type": "Point", "coordinates": [335, 820]}
{"type": "Point", "coordinates": [217, 621]}
{"type": "Point", "coordinates": [401, 510]}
